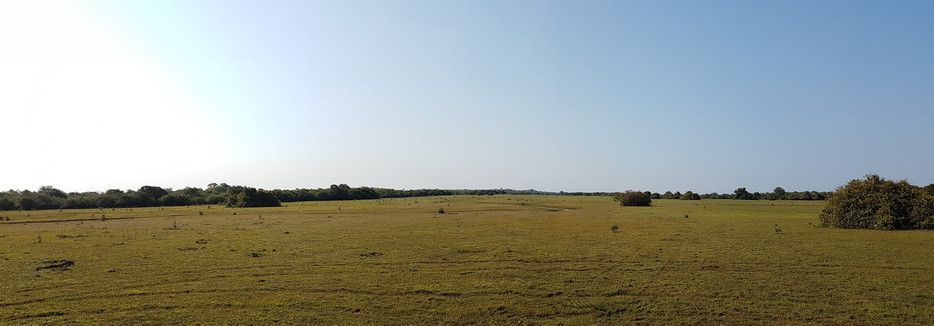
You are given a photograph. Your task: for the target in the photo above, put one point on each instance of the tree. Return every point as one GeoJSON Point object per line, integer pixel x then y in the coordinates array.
{"type": "Point", "coordinates": [81, 201]}
{"type": "Point", "coordinates": [712, 195]}
{"type": "Point", "coordinates": [7, 204]}
{"type": "Point", "coordinates": [111, 198]}
{"type": "Point", "coordinates": [876, 203]}
{"type": "Point", "coordinates": [632, 198]}
{"type": "Point", "coordinates": [174, 200]}
{"type": "Point", "coordinates": [221, 189]}
{"type": "Point", "coordinates": [335, 192]}
{"type": "Point", "coordinates": [252, 197]}
{"type": "Point", "coordinates": [690, 195]}
{"type": "Point", "coordinates": [132, 199]}
{"type": "Point", "coordinates": [779, 193]}
{"type": "Point", "coordinates": [153, 192]}
{"type": "Point", "coordinates": [741, 193]}
{"type": "Point", "coordinates": [52, 192]}
{"type": "Point", "coordinates": [363, 193]}
{"type": "Point", "coordinates": [191, 192]}
{"type": "Point", "coordinates": [814, 195]}
{"type": "Point", "coordinates": [340, 192]}
{"type": "Point", "coordinates": [27, 202]}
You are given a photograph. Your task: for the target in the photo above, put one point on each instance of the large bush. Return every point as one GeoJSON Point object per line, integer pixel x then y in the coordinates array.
{"type": "Point", "coordinates": [633, 198]}
{"type": "Point", "coordinates": [876, 203]}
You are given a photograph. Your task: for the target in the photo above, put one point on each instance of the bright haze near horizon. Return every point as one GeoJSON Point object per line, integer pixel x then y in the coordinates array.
{"type": "Point", "coordinates": [706, 96]}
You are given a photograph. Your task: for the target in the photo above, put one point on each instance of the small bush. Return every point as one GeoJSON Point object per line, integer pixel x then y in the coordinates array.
{"type": "Point", "coordinates": [876, 203]}
{"type": "Point", "coordinates": [633, 198]}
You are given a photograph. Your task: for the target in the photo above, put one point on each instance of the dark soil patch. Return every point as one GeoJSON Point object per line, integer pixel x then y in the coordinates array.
{"type": "Point", "coordinates": [66, 236]}
{"type": "Point", "coordinates": [60, 264]}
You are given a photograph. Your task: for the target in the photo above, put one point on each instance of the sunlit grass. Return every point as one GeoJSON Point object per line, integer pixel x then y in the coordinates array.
{"type": "Point", "coordinates": [488, 259]}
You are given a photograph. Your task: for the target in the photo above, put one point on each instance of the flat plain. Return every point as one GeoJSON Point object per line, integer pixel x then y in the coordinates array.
{"type": "Point", "coordinates": [486, 260]}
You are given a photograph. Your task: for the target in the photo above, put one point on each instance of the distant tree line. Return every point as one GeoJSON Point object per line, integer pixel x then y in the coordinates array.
{"type": "Point", "coordinates": [48, 197]}
{"type": "Point", "coordinates": [780, 194]}
{"type": "Point", "coordinates": [742, 194]}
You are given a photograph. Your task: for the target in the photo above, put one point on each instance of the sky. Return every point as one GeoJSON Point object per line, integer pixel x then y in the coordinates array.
{"type": "Point", "coordinates": [706, 96]}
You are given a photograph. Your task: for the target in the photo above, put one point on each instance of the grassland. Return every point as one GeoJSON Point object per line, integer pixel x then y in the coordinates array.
{"type": "Point", "coordinates": [487, 260]}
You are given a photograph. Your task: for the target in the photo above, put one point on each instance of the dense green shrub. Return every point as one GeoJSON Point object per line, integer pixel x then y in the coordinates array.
{"type": "Point", "coordinates": [876, 203]}
{"type": "Point", "coordinates": [633, 198]}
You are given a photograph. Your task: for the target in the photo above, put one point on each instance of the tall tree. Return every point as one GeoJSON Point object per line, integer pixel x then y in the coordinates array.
{"type": "Point", "coordinates": [153, 192]}
{"type": "Point", "coordinates": [779, 192]}
{"type": "Point", "coordinates": [741, 193]}
{"type": "Point", "coordinates": [52, 192]}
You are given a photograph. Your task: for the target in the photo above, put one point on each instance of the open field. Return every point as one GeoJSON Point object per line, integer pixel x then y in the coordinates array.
{"type": "Point", "coordinates": [487, 260]}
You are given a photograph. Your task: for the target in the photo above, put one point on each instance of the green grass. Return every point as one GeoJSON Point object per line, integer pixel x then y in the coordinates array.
{"type": "Point", "coordinates": [487, 260]}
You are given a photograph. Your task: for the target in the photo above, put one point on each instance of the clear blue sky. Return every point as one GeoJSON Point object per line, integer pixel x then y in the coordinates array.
{"type": "Point", "coordinates": [706, 96]}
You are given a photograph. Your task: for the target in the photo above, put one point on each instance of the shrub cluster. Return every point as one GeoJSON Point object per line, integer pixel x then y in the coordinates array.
{"type": "Point", "coordinates": [876, 203]}
{"type": "Point", "coordinates": [633, 198]}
